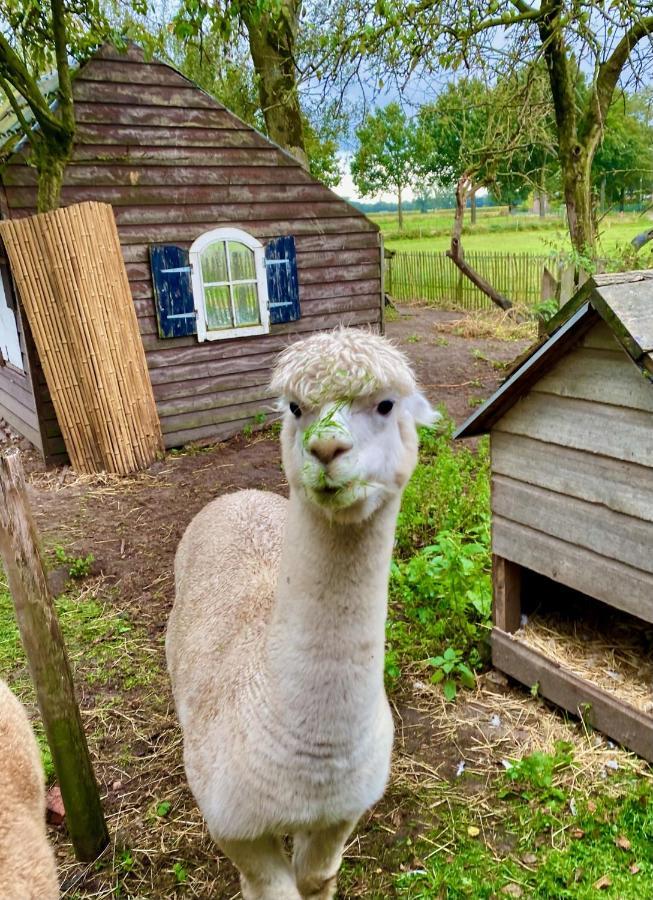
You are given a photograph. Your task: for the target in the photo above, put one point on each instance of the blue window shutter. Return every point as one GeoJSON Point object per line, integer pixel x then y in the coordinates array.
{"type": "Point", "coordinates": [283, 285]}
{"type": "Point", "coordinates": [173, 290]}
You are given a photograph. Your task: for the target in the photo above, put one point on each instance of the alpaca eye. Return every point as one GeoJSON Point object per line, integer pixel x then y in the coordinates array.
{"type": "Point", "coordinates": [295, 410]}
{"type": "Point", "coordinates": [385, 407]}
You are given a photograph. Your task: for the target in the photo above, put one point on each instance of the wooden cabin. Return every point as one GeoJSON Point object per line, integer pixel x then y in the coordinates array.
{"type": "Point", "coordinates": [232, 249]}
{"type": "Point", "coordinates": [571, 434]}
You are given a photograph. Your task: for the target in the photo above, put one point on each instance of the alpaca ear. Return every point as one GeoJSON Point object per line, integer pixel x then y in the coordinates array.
{"type": "Point", "coordinates": [421, 410]}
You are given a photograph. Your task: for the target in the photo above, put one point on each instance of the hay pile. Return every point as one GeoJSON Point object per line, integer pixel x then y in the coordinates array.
{"type": "Point", "coordinates": [614, 653]}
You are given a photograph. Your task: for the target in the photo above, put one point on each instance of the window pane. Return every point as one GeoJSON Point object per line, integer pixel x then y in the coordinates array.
{"type": "Point", "coordinates": [214, 263]}
{"type": "Point", "coordinates": [246, 304]}
{"type": "Point", "coordinates": [218, 308]}
{"type": "Point", "coordinates": [242, 262]}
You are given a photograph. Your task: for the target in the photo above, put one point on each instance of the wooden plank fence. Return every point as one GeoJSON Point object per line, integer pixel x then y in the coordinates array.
{"type": "Point", "coordinates": [434, 278]}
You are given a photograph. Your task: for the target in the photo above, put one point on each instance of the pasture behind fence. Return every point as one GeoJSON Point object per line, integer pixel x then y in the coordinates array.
{"type": "Point", "coordinates": [433, 277]}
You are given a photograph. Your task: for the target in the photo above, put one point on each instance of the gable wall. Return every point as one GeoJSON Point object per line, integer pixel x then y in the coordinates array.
{"type": "Point", "coordinates": [572, 476]}
{"type": "Point", "coordinates": [174, 164]}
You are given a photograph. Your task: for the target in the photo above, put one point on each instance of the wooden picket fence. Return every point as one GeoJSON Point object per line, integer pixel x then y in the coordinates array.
{"type": "Point", "coordinates": [433, 277]}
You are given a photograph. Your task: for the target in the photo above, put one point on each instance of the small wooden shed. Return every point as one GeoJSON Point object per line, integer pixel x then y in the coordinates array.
{"type": "Point", "coordinates": [571, 433]}
{"type": "Point", "coordinates": [232, 249]}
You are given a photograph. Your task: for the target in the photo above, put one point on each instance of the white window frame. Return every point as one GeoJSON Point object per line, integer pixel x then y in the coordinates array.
{"type": "Point", "coordinates": [195, 253]}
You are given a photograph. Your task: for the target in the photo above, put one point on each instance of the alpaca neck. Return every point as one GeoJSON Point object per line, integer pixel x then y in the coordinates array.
{"type": "Point", "coordinates": [326, 638]}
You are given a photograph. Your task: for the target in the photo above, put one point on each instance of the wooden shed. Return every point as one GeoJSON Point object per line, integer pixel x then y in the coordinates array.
{"type": "Point", "coordinates": [231, 249]}
{"type": "Point", "coordinates": [571, 434]}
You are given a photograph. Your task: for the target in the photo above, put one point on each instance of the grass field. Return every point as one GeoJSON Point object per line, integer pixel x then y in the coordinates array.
{"type": "Point", "coordinates": [496, 231]}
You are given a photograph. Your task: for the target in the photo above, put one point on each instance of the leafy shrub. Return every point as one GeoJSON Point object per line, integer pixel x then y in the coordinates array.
{"type": "Point", "coordinates": [440, 586]}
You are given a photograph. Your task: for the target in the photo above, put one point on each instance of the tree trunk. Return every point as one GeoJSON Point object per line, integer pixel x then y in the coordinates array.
{"type": "Point", "coordinates": [51, 166]}
{"type": "Point", "coordinates": [472, 206]}
{"type": "Point", "coordinates": [456, 254]}
{"type": "Point", "coordinates": [48, 662]}
{"type": "Point", "coordinates": [576, 167]}
{"type": "Point", "coordinates": [602, 201]}
{"type": "Point", "coordinates": [272, 46]}
{"type": "Point", "coordinates": [400, 211]}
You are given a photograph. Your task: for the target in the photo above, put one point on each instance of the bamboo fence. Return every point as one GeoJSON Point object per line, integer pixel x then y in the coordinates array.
{"type": "Point", "coordinates": [434, 278]}
{"type": "Point", "coordinates": [70, 274]}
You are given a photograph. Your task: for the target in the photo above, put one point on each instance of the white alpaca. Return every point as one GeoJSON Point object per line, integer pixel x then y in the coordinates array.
{"type": "Point", "coordinates": [275, 644]}
{"type": "Point", "coordinates": [27, 867]}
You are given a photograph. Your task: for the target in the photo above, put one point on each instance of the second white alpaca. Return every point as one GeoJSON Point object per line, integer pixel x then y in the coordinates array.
{"type": "Point", "coordinates": [275, 644]}
{"type": "Point", "coordinates": [27, 867]}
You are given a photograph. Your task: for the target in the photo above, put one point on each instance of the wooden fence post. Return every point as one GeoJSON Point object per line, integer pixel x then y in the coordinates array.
{"type": "Point", "coordinates": [48, 662]}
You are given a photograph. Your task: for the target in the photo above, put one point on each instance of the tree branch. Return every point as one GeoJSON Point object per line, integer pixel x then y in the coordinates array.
{"type": "Point", "coordinates": [607, 78]}
{"type": "Point", "coordinates": [15, 105]}
{"type": "Point", "coordinates": [63, 68]}
{"type": "Point", "coordinates": [16, 73]}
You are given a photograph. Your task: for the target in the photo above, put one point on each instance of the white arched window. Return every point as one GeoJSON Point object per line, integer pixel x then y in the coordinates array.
{"type": "Point", "coordinates": [229, 285]}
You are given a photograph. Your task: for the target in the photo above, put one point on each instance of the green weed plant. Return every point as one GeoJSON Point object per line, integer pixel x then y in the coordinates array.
{"type": "Point", "coordinates": [440, 585]}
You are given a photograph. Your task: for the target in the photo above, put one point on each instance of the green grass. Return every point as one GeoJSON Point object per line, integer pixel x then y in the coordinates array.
{"type": "Point", "coordinates": [102, 643]}
{"type": "Point", "coordinates": [497, 233]}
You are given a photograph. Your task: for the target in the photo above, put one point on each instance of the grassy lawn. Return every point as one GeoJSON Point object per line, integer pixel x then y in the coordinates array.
{"type": "Point", "coordinates": [496, 232]}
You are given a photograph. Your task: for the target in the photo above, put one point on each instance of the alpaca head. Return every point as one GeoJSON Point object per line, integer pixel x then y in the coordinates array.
{"type": "Point", "coordinates": [351, 408]}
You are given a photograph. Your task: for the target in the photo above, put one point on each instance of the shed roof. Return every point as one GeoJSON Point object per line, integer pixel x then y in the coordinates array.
{"type": "Point", "coordinates": [624, 301]}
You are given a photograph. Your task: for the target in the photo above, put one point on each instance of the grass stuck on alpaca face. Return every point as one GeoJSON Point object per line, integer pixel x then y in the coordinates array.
{"type": "Point", "coordinates": [275, 644]}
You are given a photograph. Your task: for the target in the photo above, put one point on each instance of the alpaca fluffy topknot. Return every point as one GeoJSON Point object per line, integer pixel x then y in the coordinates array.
{"type": "Point", "coordinates": [341, 364]}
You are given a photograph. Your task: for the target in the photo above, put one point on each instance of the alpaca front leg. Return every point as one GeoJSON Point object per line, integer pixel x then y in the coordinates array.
{"type": "Point", "coordinates": [316, 859]}
{"type": "Point", "coordinates": [265, 872]}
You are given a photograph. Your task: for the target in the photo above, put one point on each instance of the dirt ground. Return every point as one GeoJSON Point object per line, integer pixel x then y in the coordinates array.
{"type": "Point", "coordinates": [132, 529]}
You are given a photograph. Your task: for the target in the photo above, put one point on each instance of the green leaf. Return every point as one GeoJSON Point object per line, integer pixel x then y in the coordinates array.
{"type": "Point", "coordinates": [450, 690]}
{"type": "Point", "coordinates": [163, 808]}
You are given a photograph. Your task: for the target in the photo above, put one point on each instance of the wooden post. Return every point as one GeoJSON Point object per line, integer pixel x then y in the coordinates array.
{"type": "Point", "coordinates": [48, 662]}
{"type": "Point", "coordinates": [506, 582]}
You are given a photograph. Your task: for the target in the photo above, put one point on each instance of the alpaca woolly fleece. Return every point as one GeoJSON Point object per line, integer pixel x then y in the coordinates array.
{"type": "Point", "coordinates": [27, 867]}
{"type": "Point", "coordinates": [339, 365]}
{"type": "Point", "coordinates": [275, 643]}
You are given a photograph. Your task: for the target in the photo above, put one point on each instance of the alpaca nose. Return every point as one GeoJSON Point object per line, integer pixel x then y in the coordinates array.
{"type": "Point", "coordinates": [326, 449]}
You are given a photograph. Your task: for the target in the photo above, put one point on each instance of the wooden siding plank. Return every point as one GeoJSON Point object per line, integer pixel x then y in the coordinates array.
{"type": "Point", "coordinates": [139, 253]}
{"type": "Point", "coordinates": [589, 525]}
{"type": "Point", "coordinates": [107, 175]}
{"type": "Point", "coordinates": [600, 337]}
{"type": "Point", "coordinates": [623, 487]}
{"type": "Point", "coordinates": [20, 419]}
{"type": "Point", "coordinates": [619, 585]}
{"type": "Point", "coordinates": [126, 153]}
{"type": "Point", "coordinates": [598, 708]}
{"type": "Point", "coordinates": [263, 230]}
{"type": "Point", "coordinates": [139, 115]}
{"type": "Point", "coordinates": [230, 212]}
{"type": "Point", "coordinates": [183, 95]}
{"type": "Point", "coordinates": [218, 416]}
{"type": "Point", "coordinates": [154, 136]}
{"type": "Point", "coordinates": [203, 386]}
{"type": "Point", "coordinates": [603, 376]}
{"type": "Point", "coordinates": [208, 403]}
{"type": "Point", "coordinates": [128, 72]}
{"type": "Point", "coordinates": [609, 430]}
{"type": "Point", "coordinates": [214, 432]}
{"type": "Point", "coordinates": [137, 196]}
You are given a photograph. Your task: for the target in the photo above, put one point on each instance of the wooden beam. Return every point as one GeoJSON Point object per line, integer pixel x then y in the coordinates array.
{"type": "Point", "coordinates": [506, 585]}
{"type": "Point", "coordinates": [623, 723]}
{"type": "Point", "coordinates": [48, 662]}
